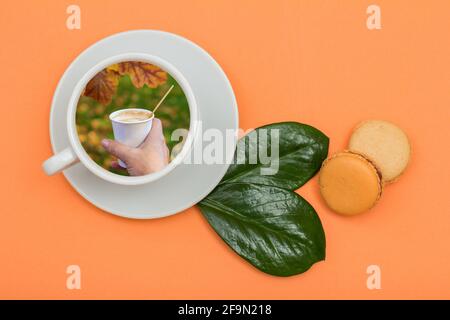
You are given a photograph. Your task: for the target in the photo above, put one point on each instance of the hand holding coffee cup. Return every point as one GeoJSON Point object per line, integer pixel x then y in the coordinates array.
{"type": "Point", "coordinates": [131, 128]}
{"type": "Point", "coordinates": [139, 142]}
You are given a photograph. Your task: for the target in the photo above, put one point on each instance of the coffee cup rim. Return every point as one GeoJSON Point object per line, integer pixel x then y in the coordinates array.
{"type": "Point", "coordinates": [115, 113]}
{"type": "Point", "coordinates": [81, 152]}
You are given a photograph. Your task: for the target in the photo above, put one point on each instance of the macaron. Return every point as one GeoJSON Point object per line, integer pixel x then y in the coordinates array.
{"type": "Point", "coordinates": [349, 183]}
{"type": "Point", "coordinates": [385, 144]}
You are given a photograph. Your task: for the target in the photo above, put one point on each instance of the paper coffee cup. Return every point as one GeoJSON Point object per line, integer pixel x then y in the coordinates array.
{"type": "Point", "coordinates": [131, 127]}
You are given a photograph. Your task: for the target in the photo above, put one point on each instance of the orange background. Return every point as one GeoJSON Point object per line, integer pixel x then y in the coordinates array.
{"type": "Point", "coordinates": [308, 61]}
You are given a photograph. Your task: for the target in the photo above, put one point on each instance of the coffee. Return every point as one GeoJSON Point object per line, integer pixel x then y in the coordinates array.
{"type": "Point", "coordinates": [133, 116]}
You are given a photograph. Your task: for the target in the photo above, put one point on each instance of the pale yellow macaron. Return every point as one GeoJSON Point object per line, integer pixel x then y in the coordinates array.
{"type": "Point", "coordinates": [385, 144]}
{"type": "Point", "coordinates": [349, 183]}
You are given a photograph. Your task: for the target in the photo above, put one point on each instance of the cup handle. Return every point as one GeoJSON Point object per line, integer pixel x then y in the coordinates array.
{"type": "Point", "coordinates": [60, 161]}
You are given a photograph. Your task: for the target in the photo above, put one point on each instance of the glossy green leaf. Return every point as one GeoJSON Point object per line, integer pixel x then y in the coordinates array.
{"type": "Point", "coordinates": [302, 149]}
{"type": "Point", "coordinates": [274, 229]}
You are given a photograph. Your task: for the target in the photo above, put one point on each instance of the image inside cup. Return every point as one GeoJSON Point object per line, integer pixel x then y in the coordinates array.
{"type": "Point", "coordinates": [118, 102]}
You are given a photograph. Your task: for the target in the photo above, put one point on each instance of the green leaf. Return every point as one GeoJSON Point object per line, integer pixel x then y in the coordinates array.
{"type": "Point", "coordinates": [274, 229]}
{"type": "Point", "coordinates": [258, 215]}
{"type": "Point", "coordinates": [302, 149]}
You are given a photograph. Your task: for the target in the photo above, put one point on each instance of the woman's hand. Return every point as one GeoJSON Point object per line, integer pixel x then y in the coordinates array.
{"type": "Point", "coordinates": [151, 156]}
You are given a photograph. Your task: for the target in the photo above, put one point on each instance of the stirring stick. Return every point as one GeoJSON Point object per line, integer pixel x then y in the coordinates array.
{"type": "Point", "coordinates": [162, 99]}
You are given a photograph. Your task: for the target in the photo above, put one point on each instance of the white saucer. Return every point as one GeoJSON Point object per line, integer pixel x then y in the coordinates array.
{"type": "Point", "coordinates": [186, 184]}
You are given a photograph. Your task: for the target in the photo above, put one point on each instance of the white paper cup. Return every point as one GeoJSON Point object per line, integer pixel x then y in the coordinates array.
{"type": "Point", "coordinates": [133, 133]}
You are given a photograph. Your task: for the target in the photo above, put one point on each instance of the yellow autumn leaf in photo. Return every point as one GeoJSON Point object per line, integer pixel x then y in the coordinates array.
{"type": "Point", "coordinates": [113, 67]}
{"type": "Point", "coordinates": [102, 86]}
{"type": "Point", "coordinates": [93, 138]}
{"type": "Point", "coordinates": [82, 138]}
{"type": "Point", "coordinates": [143, 73]}
{"type": "Point", "coordinates": [95, 123]}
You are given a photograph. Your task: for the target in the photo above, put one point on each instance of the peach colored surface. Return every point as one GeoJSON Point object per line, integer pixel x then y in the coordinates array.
{"type": "Point", "coordinates": [310, 61]}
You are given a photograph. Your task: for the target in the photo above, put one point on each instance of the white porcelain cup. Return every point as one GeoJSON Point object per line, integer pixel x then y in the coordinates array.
{"type": "Point", "coordinates": [129, 133]}
{"type": "Point", "coordinates": [74, 153]}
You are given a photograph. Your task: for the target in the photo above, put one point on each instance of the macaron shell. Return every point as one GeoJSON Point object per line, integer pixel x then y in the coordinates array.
{"type": "Point", "coordinates": [383, 143]}
{"type": "Point", "coordinates": [349, 183]}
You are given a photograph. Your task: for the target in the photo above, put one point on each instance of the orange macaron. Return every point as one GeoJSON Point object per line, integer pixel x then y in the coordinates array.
{"type": "Point", "coordinates": [385, 144]}
{"type": "Point", "coordinates": [349, 183]}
